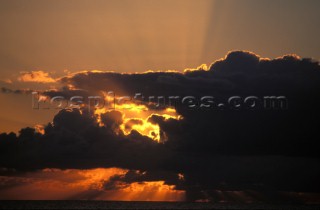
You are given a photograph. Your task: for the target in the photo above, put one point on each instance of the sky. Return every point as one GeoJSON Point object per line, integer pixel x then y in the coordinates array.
{"type": "Point", "coordinates": [141, 35]}
{"type": "Point", "coordinates": [143, 150]}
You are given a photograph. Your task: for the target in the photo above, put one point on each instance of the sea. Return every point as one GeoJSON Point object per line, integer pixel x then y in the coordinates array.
{"type": "Point", "coordinates": [84, 204]}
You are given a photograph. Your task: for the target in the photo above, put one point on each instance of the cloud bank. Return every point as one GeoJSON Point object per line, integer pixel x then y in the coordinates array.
{"type": "Point", "coordinates": [226, 149]}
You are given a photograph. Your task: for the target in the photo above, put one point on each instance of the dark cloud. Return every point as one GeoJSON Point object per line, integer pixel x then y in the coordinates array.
{"type": "Point", "coordinates": [16, 91]}
{"type": "Point", "coordinates": [66, 92]}
{"type": "Point", "coordinates": [112, 119]}
{"type": "Point", "coordinates": [132, 176]}
{"type": "Point", "coordinates": [75, 140]}
{"type": "Point", "coordinates": [247, 149]}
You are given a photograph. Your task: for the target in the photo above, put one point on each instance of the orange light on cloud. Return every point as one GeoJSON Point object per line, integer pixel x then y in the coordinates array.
{"type": "Point", "coordinates": [39, 129]}
{"type": "Point", "coordinates": [56, 184]}
{"type": "Point", "coordinates": [146, 128]}
{"type": "Point", "coordinates": [141, 113]}
{"type": "Point", "coordinates": [148, 191]}
{"type": "Point", "coordinates": [36, 76]}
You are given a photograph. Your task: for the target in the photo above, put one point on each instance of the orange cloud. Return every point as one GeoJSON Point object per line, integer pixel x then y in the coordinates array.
{"type": "Point", "coordinates": [39, 128]}
{"type": "Point", "coordinates": [136, 116]}
{"type": "Point", "coordinates": [36, 76]}
{"type": "Point", "coordinates": [56, 184]}
{"type": "Point", "coordinates": [7, 81]}
{"type": "Point", "coordinates": [147, 191]}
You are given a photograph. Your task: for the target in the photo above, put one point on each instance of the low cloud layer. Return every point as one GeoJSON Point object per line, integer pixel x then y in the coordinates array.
{"type": "Point", "coordinates": [226, 149]}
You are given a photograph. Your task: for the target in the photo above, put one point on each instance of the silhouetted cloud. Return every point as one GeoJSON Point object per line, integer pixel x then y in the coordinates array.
{"type": "Point", "coordinates": [75, 137]}
{"type": "Point", "coordinates": [230, 149]}
{"type": "Point", "coordinates": [16, 91]}
{"type": "Point", "coordinates": [123, 180]}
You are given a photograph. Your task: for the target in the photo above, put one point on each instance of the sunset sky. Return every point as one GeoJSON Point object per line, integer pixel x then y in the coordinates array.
{"type": "Point", "coordinates": [159, 47]}
{"type": "Point", "coordinates": [135, 36]}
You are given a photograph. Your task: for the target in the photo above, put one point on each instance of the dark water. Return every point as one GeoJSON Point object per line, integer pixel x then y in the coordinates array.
{"type": "Point", "coordinates": [138, 205]}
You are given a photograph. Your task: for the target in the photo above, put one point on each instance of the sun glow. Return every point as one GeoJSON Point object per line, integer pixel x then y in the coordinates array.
{"type": "Point", "coordinates": [145, 128]}
{"type": "Point", "coordinates": [75, 184]}
{"type": "Point", "coordinates": [136, 117]}
{"type": "Point", "coordinates": [151, 191]}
